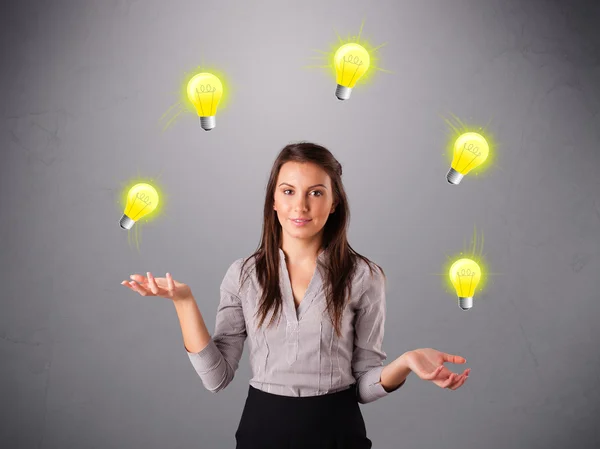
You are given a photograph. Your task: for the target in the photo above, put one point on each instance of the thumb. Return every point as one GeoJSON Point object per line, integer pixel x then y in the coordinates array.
{"type": "Point", "coordinates": [451, 358]}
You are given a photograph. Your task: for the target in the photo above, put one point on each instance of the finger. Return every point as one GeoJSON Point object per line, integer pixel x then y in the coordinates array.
{"type": "Point", "coordinates": [138, 288]}
{"type": "Point", "coordinates": [433, 374]}
{"type": "Point", "coordinates": [458, 380]}
{"type": "Point", "coordinates": [170, 284]}
{"type": "Point", "coordinates": [444, 373]}
{"type": "Point", "coordinates": [454, 358]}
{"type": "Point", "coordinates": [138, 278]}
{"type": "Point", "coordinates": [449, 381]}
{"type": "Point", "coordinates": [152, 283]}
{"type": "Point", "coordinates": [126, 284]}
{"type": "Point", "coordinates": [459, 383]}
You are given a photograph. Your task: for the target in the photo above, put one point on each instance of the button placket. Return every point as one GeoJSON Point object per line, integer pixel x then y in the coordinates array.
{"type": "Point", "coordinates": [291, 338]}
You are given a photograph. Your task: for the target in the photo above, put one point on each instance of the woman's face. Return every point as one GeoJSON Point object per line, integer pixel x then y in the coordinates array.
{"type": "Point", "coordinates": [303, 190]}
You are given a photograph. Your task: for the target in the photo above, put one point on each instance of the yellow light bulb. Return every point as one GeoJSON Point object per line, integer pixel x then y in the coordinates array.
{"type": "Point", "coordinates": [470, 151]}
{"type": "Point", "coordinates": [465, 274]}
{"type": "Point", "coordinates": [204, 90]}
{"type": "Point", "coordinates": [142, 199]}
{"type": "Point", "coordinates": [351, 61]}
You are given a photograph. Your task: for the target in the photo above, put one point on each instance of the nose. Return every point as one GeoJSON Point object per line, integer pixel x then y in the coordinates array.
{"type": "Point", "coordinates": [301, 203]}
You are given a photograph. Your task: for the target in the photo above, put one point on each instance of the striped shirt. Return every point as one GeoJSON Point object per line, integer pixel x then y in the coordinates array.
{"type": "Point", "coordinates": [299, 354]}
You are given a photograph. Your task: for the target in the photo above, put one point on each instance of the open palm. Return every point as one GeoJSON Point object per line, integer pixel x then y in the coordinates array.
{"type": "Point", "coordinates": [428, 364]}
{"type": "Point", "coordinates": [165, 287]}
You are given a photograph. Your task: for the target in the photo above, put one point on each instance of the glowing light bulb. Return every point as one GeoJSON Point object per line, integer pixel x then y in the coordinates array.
{"type": "Point", "coordinates": [465, 274]}
{"type": "Point", "coordinates": [470, 151]}
{"type": "Point", "coordinates": [204, 90]}
{"type": "Point", "coordinates": [142, 199]}
{"type": "Point", "coordinates": [351, 62]}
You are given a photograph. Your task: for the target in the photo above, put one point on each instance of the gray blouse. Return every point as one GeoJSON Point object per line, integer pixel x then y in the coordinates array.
{"type": "Point", "coordinates": [299, 355]}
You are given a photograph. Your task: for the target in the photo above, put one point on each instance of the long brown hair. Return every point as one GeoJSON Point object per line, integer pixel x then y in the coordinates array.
{"type": "Point", "coordinates": [341, 263]}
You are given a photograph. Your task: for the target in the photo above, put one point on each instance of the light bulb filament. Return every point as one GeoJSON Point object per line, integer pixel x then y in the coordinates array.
{"type": "Point", "coordinates": [145, 198]}
{"type": "Point", "coordinates": [353, 60]}
{"type": "Point", "coordinates": [206, 89]}
{"type": "Point", "coordinates": [472, 148]}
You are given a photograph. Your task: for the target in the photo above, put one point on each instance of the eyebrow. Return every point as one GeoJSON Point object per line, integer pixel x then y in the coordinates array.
{"type": "Point", "coordinates": [316, 185]}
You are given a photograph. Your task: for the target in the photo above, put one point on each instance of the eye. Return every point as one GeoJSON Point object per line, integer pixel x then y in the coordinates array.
{"type": "Point", "coordinates": [314, 191]}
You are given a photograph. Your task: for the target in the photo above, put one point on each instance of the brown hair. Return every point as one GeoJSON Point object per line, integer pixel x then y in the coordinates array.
{"type": "Point", "coordinates": [341, 263]}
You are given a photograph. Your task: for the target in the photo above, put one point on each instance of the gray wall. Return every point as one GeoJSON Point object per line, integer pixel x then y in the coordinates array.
{"type": "Point", "coordinates": [87, 363]}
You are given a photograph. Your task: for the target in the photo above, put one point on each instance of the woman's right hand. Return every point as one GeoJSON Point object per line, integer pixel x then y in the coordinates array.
{"type": "Point", "coordinates": [165, 287]}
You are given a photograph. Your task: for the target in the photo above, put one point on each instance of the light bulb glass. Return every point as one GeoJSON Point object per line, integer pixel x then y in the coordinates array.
{"type": "Point", "coordinates": [351, 61]}
{"type": "Point", "coordinates": [204, 91]}
{"type": "Point", "coordinates": [142, 199]}
{"type": "Point", "coordinates": [465, 274]}
{"type": "Point", "coordinates": [470, 151]}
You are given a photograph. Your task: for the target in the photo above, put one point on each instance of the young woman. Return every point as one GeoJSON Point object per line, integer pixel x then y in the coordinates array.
{"type": "Point", "coordinates": [320, 353]}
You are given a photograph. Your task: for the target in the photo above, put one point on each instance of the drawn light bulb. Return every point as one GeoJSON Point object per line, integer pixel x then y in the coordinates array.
{"type": "Point", "coordinates": [465, 274]}
{"type": "Point", "coordinates": [204, 90]}
{"type": "Point", "coordinates": [351, 62]}
{"type": "Point", "coordinates": [142, 199]}
{"type": "Point", "coordinates": [470, 151]}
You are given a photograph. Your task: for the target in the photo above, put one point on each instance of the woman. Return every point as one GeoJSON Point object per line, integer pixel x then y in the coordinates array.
{"type": "Point", "coordinates": [320, 354]}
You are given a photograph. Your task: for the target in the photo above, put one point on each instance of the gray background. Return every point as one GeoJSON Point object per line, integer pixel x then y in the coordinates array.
{"type": "Point", "coordinates": [86, 363]}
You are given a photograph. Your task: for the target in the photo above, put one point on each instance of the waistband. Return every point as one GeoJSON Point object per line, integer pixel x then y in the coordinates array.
{"type": "Point", "coordinates": [349, 394]}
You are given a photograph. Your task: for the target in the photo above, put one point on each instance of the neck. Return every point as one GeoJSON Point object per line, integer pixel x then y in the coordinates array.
{"type": "Point", "coordinates": [300, 253]}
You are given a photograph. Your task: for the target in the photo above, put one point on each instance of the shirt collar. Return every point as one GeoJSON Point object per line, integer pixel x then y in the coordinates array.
{"type": "Point", "coordinates": [321, 255]}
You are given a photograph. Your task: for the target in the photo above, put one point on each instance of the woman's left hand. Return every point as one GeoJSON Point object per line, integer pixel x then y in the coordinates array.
{"type": "Point", "coordinates": [428, 364]}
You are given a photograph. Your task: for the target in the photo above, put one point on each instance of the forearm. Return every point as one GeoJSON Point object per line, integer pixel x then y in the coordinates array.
{"type": "Point", "coordinates": [395, 373]}
{"type": "Point", "coordinates": [193, 329]}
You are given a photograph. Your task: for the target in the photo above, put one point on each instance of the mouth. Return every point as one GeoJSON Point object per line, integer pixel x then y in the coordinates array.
{"type": "Point", "coordinates": [300, 220]}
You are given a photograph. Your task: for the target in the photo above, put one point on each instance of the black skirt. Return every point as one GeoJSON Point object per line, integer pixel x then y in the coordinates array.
{"type": "Point", "coordinates": [330, 421]}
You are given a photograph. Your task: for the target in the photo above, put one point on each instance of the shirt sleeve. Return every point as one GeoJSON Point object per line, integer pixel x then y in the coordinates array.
{"type": "Point", "coordinates": [368, 354]}
{"type": "Point", "coordinates": [217, 362]}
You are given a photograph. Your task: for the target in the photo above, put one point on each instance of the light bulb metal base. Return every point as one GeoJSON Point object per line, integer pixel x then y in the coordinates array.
{"type": "Point", "coordinates": [454, 177]}
{"type": "Point", "coordinates": [465, 303]}
{"type": "Point", "coordinates": [343, 92]}
{"type": "Point", "coordinates": [208, 123]}
{"type": "Point", "coordinates": [125, 222]}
